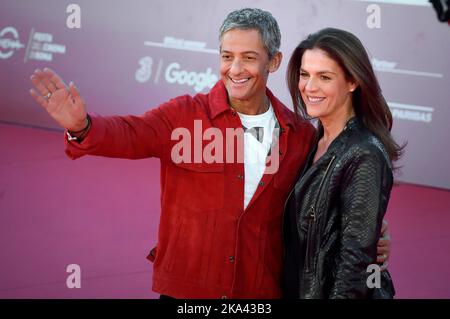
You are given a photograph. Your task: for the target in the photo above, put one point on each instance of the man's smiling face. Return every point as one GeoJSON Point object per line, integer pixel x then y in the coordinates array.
{"type": "Point", "coordinates": [244, 66]}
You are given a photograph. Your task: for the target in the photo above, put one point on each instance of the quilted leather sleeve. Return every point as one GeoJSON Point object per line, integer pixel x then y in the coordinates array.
{"type": "Point", "coordinates": [365, 192]}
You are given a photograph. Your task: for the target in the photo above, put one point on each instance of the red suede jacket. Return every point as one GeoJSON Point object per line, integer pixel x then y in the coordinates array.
{"type": "Point", "coordinates": [208, 245]}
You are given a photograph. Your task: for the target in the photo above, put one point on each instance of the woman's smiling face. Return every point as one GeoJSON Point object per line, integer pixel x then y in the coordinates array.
{"type": "Point", "coordinates": [323, 85]}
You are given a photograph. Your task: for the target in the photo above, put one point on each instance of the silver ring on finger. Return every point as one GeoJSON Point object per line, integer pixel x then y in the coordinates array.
{"type": "Point", "coordinates": [49, 94]}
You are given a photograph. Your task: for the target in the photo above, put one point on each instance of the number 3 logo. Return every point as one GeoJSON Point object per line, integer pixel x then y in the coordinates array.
{"type": "Point", "coordinates": [145, 71]}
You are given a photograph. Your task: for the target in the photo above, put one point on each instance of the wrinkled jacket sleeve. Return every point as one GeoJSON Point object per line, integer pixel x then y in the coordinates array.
{"type": "Point", "coordinates": [131, 137]}
{"type": "Point", "coordinates": [365, 193]}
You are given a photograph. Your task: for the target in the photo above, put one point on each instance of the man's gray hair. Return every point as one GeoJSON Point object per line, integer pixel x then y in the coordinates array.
{"type": "Point", "coordinates": [253, 18]}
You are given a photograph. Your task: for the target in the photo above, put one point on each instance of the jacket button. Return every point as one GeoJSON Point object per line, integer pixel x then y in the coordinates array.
{"type": "Point", "coordinates": [283, 130]}
{"type": "Point", "coordinates": [261, 183]}
{"type": "Point", "coordinates": [281, 152]}
{"type": "Point", "coordinates": [241, 176]}
{"type": "Point", "coordinates": [233, 113]}
{"type": "Point", "coordinates": [231, 259]}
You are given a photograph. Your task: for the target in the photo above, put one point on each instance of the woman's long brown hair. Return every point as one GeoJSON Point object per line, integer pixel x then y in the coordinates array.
{"type": "Point", "coordinates": [368, 102]}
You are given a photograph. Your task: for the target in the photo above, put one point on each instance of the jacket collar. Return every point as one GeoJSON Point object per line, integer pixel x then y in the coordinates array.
{"type": "Point", "coordinates": [352, 123]}
{"type": "Point", "coordinates": [338, 144]}
{"type": "Point", "coordinates": [335, 149]}
{"type": "Point", "coordinates": [218, 103]}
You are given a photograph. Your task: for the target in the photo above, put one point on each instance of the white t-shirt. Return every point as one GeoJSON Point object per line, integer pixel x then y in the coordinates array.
{"type": "Point", "coordinates": [255, 152]}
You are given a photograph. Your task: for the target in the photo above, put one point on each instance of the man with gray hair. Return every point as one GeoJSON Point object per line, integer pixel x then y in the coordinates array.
{"type": "Point", "coordinates": [220, 232]}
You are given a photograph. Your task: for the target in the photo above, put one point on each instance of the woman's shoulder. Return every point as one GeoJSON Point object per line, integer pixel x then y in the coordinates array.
{"type": "Point", "coordinates": [363, 143]}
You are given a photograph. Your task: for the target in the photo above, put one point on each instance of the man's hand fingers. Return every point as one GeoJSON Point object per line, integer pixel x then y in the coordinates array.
{"type": "Point", "coordinates": [383, 250]}
{"type": "Point", "coordinates": [75, 93]}
{"type": "Point", "coordinates": [55, 79]}
{"type": "Point", "coordinates": [383, 242]}
{"type": "Point", "coordinates": [49, 84]}
{"type": "Point", "coordinates": [39, 99]}
{"type": "Point", "coordinates": [384, 226]}
{"type": "Point", "coordinates": [383, 247]}
{"type": "Point", "coordinates": [381, 258]}
{"type": "Point", "coordinates": [38, 84]}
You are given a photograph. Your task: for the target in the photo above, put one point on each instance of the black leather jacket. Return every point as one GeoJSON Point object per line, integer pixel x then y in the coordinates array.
{"type": "Point", "coordinates": [333, 218]}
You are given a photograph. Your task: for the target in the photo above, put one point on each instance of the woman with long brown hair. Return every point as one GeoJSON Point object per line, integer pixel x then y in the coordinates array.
{"type": "Point", "coordinates": [334, 214]}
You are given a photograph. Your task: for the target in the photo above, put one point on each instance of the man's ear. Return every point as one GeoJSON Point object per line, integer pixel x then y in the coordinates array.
{"type": "Point", "coordinates": [275, 62]}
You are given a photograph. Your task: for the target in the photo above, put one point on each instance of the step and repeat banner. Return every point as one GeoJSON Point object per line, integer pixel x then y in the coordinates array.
{"type": "Point", "coordinates": [129, 56]}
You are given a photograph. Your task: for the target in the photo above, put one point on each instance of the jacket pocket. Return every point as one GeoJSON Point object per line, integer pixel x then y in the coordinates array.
{"type": "Point", "coordinates": [196, 186]}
